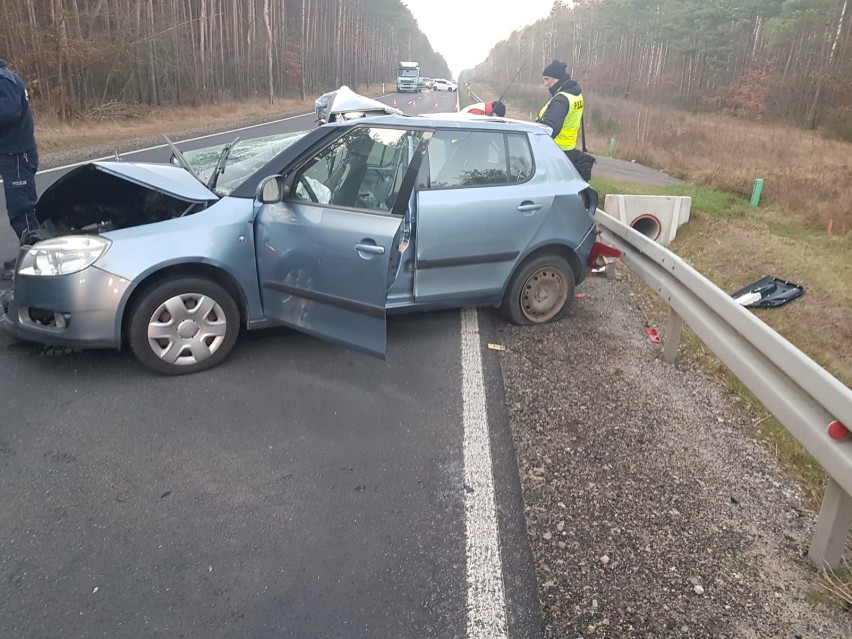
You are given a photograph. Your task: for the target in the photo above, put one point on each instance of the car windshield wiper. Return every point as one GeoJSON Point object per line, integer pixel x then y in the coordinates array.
{"type": "Point", "coordinates": [220, 164]}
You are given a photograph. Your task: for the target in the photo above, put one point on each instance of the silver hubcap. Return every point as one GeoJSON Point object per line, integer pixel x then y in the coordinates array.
{"type": "Point", "coordinates": [187, 329]}
{"type": "Point", "coordinates": [543, 295]}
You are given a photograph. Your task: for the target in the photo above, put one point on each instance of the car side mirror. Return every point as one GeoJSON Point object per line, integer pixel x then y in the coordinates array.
{"type": "Point", "coordinates": [270, 190]}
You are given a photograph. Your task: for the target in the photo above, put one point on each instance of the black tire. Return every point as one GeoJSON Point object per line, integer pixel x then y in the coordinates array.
{"type": "Point", "coordinates": [181, 345]}
{"type": "Point", "coordinates": [540, 291]}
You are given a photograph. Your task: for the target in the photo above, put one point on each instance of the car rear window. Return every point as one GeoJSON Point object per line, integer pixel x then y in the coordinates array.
{"type": "Point", "coordinates": [478, 158]}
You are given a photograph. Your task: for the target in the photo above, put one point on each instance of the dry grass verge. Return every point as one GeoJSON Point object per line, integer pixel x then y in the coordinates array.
{"type": "Point", "coordinates": [836, 585]}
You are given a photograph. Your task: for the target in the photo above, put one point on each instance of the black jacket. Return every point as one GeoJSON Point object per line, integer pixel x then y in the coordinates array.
{"type": "Point", "coordinates": [554, 116]}
{"type": "Point", "coordinates": [16, 117]}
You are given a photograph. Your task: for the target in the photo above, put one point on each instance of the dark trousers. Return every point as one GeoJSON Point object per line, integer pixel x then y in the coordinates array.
{"type": "Point", "coordinates": [18, 172]}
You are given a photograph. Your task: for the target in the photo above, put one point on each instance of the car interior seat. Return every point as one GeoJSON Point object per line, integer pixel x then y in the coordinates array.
{"type": "Point", "coordinates": [356, 169]}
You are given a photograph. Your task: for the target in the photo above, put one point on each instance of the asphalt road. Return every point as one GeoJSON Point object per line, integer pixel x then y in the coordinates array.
{"type": "Point", "coordinates": [297, 490]}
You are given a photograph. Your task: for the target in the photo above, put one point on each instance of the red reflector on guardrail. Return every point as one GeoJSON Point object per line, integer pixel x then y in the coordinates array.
{"type": "Point", "coordinates": [838, 431]}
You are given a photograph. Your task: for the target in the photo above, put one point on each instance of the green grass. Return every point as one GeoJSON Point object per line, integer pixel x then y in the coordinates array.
{"type": "Point", "coordinates": [709, 201]}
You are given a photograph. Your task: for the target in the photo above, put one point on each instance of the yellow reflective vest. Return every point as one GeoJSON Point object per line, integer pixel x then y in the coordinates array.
{"type": "Point", "coordinates": [567, 138]}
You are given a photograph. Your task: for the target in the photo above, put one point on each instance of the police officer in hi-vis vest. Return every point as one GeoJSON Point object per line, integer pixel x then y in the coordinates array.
{"type": "Point", "coordinates": [564, 111]}
{"type": "Point", "coordinates": [18, 157]}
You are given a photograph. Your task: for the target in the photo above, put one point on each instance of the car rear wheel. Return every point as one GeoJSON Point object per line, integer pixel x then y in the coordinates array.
{"type": "Point", "coordinates": [541, 291]}
{"type": "Point", "coordinates": [183, 325]}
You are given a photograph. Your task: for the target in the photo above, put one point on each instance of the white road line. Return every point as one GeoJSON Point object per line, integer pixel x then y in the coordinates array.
{"type": "Point", "coordinates": [486, 603]}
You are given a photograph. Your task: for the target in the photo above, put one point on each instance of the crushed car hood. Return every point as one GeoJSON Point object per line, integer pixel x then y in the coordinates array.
{"type": "Point", "coordinates": [168, 179]}
{"type": "Point", "coordinates": [108, 195]}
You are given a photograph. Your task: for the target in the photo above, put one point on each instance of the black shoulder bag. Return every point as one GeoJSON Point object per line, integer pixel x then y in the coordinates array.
{"type": "Point", "coordinates": [583, 161]}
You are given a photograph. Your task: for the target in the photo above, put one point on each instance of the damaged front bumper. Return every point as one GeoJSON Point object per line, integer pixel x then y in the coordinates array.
{"type": "Point", "coordinates": [81, 310]}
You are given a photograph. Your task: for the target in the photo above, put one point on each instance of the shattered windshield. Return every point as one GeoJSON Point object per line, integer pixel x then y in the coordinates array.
{"type": "Point", "coordinates": [245, 157]}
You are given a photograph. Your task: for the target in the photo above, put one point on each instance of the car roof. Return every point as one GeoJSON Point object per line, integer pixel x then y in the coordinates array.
{"type": "Point", "coordinates": [447, 120]}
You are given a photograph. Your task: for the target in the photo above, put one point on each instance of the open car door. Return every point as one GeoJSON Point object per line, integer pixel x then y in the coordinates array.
{"type": "Point", "coordinates": [327, 253]}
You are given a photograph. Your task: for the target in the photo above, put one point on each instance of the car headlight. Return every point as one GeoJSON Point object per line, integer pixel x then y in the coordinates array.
{"type": "Point", "coordinates": [63, 255]}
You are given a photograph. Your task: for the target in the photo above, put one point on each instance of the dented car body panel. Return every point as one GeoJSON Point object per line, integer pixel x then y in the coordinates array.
{"type": "Point", "coordinates": [338, 227]}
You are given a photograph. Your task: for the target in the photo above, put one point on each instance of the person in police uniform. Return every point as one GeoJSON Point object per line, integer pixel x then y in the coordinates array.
{"type": "Point", "coordinates": [18, 157]}
{"type": "Point", "coordinates": [563, 113]}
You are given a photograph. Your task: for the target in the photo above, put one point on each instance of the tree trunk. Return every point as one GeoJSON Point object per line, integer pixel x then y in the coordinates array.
{"type": "Point", "coordinates": [269, 45]}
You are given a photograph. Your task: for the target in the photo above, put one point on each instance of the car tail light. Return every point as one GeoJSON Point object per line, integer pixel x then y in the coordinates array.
{"type": "Point", "coordinates": [602, 254]}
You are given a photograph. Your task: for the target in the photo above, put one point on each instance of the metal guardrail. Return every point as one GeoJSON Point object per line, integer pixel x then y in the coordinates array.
{"type": "Point", "coordinates": [804, 397]}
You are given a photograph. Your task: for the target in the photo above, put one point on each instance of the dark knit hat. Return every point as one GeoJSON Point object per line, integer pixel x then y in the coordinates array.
{"type": "Point", "coordinates": [556, 69]}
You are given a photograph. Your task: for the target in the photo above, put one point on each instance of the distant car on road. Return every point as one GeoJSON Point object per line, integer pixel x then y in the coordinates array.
{"type": "Point", "coordinates": [326, 231]}
{"type": "Point", "coordinates": [426, 83]}
{"type": "Point", "coordinates": [444, 85]}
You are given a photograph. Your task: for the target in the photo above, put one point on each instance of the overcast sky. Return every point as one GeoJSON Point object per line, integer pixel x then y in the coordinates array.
{"type": "Point", "coordinates": [464, 31]}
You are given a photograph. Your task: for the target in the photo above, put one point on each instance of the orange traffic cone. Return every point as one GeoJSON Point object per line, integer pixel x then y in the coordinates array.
{"type": "Point", "coordinates": [394, 103]}
{"type": "Point", "coordinates": [436, 105]}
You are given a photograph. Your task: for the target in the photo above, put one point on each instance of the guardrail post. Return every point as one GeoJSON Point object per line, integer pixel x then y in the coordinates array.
{"type": "Point", "coordinates": [832, 527]}
{"type": "Point", "coordinates": [673, 333]}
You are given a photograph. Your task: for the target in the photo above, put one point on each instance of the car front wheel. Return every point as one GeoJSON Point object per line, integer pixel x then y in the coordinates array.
{"type": "Point", "coordinates": [183, 325]}
{"type": "Point", "coordinates": [541, 291]}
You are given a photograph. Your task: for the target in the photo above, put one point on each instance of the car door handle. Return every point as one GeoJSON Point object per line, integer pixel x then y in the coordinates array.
{"type": "Point", "coordinates": [370, 248]}
{"type": "Point", "coordinates": [525, 207]}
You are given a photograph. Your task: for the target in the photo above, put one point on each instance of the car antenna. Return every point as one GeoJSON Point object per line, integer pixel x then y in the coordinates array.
{"type": "Point", "coordinates": [506, 90]}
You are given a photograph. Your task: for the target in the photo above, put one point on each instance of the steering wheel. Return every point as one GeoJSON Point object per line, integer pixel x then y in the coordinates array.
{"type": "Point", "coordinates": [308, 189]}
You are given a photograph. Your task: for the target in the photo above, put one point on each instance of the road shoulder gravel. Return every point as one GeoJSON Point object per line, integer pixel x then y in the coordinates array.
{"type": "Point", "coordinates": [652, 510]}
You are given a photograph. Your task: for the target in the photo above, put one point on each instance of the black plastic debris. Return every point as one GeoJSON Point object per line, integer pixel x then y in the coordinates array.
{"type": "Point", "coordinates": [58, 351]}
{"type": "Point", "coordinates": [768, 292]}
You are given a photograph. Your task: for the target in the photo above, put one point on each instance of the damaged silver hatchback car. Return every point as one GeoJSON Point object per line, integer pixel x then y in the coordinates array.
{"type": "Point", "coordinates": [325, 231]}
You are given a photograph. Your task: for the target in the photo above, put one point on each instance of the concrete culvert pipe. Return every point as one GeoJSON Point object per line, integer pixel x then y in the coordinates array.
{"type": "Point", "coordinates": [647, 225]}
